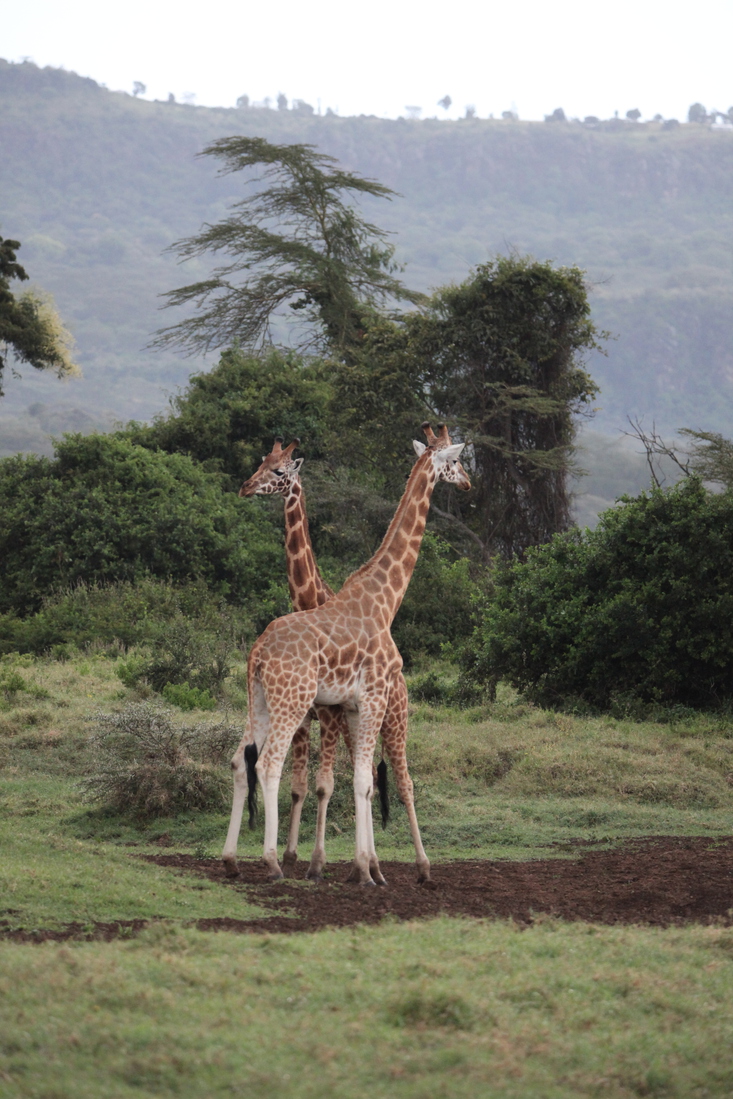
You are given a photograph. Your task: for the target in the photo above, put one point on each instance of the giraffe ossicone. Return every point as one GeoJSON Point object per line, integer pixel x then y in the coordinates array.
{"type": "Point", "coordinates": [339, 654]}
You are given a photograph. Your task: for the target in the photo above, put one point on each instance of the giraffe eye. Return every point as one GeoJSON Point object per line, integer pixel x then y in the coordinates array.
{"type": "Point", "coordinates": [279, 472]}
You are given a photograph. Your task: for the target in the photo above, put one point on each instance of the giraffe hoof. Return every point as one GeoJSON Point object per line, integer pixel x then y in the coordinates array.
{"type": "Point", "coordinates": [427, 883]}
{"type": "Point", "coordinates": [289, 863]}
{"type": "Point", "coordinates": [275, 875]}
{"type": "Point", "coordinates": [314, 875]}
{"type": "Point", "coordinates": [231, 870]}
{"type": "Point", "coordinates": [366, 884]}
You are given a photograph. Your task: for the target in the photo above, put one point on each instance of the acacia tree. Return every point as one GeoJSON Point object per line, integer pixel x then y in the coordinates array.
{"type": "Point", "coordinates": [294, 245]}
{"type": "Point", "coordinates": [30, 327]}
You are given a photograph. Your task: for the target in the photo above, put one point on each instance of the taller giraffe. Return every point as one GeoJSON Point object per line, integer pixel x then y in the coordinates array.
{"type": "Point", "coordinates": [279, 474]}
{"type": "Point", "coordinates": [341, 653]}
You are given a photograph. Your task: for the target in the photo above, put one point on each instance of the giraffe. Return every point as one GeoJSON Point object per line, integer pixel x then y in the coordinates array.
{"type": "Point", "coordinates": [279, 474]}
{"type": "Point", "coordinates": [341, 653]}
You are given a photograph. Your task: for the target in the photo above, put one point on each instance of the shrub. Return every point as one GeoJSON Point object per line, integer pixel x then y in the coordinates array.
{"type": "Point", "coordinates": [121, 615]}
{"type": "Point", "coordinates": [188, 698]}
{"type": "Point", "coordinates": [11, 682]}
{"type": "Point", "coordinates": [144, 766]}
{"type": "Point", "coordinates": [433, 688]}
{"type": "Point", "coordinates": [641, 608]}
{"type": "Point", "coordinates": [436, 611]}
{"type": "Point", "coordinates": [197, 653]}
{"type": "Point", "coordinates": [105, 510]}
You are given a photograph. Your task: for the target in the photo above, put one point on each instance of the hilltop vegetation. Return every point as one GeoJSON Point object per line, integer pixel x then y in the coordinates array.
{"type": "Point", "coordinates": [97, 183]}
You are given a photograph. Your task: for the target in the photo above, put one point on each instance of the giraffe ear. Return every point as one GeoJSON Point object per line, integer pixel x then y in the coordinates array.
{"type": "Point", "coordinates": [451, 453]}
{"type": "Point", "coordinates": [420, 448]}
{"type": "Point", "coordinates": [297, 464]}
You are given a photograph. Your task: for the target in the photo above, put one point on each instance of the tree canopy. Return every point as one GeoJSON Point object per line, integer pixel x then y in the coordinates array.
{"type": "Point", "coordinates": [500, 357]}
{"type": "Point", "coordinates": [294, 245]}
{"type": "Point", "coordinates": [30, 327]}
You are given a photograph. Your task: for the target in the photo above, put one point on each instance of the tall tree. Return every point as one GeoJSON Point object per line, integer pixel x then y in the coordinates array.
{"type": "Point", "coordinates": [501, 357]}
{"type": "Point", "coordinates": [295, 245]}
{"type": "Point", "coordinates": [30, 327]}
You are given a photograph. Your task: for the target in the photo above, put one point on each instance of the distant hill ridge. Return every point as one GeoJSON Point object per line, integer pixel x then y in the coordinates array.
{"type": "Point", "coordinates": [96, 183]}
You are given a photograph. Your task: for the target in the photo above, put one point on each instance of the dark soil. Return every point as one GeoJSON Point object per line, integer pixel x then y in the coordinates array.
{"type": "Point", "coordinates": [659, 880]}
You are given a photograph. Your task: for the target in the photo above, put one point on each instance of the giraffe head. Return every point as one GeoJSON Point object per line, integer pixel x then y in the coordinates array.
{"type": "Point", "coordinates": [276, 474]}
{"type": "Point", "coordinates": [444, 455]}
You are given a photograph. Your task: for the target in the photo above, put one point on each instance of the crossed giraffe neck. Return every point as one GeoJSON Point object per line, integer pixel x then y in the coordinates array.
{"type": "Point", "coordinates": [341, 653]}
{"type": "Point", "coordinates": [280, 474]}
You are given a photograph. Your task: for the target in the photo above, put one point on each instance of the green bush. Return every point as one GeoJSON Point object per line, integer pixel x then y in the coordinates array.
{"type": "Point", "coordinates": [105, 510]}
{"type": "Point", "coordinates": [228, 417]}
{"type": "Point", "coordinates": [188, 698]}
{"type": "Point", "coordinates": [436, 611]}
{"type": "Point", "coordinates": [639, 609]}
{"type": "Point", "coordinates": [196, 653]}
{"type": "Point", "coordinates": [145, 766]}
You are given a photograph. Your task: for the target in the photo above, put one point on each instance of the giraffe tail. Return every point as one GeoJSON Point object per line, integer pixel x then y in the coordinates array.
{"type": "Point", "coordinates": [250, 758]}
{"type": "Point", "coordinates": [383, 791]}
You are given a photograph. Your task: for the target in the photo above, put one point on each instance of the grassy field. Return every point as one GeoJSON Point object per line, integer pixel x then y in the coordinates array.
{"type": "Point", "coordinates": [447, 1007]}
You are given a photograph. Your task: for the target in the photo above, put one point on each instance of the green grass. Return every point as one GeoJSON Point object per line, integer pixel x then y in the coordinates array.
{"type": "Point", "coordinates": [500, 781]}
{"type": "Point", "coordinates": [448, 1007]}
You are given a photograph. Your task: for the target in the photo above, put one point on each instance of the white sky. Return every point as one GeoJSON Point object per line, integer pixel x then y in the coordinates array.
{"type": "Point", "coordinates": [379, 56]}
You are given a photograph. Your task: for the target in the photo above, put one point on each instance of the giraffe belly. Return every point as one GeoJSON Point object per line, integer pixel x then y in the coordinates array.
{"type": "Point", "coordinates": [339, 687]}
{"type": "Point", "coordinates": [334, 694]}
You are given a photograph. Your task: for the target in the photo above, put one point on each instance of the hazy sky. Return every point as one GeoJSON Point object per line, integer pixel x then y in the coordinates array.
{"type": "Point", "coordinates": [383, 55]}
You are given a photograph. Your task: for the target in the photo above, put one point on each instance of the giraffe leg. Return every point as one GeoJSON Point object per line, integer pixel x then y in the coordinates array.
{"type": "Point", "coordinates": [257, 728]}
{"type": "Point", "coordinates": [333, 725]}
{"type": "Point", "coordinates": [284, 723]}
{"type": "Point", "coordinates": [364, 727]}
{"type": "Point", "coordinates": [394, 738]}
{"type": "Point", "coordinates": [376, 874]}
{"type": "Point", "coordinates": [298, 791]}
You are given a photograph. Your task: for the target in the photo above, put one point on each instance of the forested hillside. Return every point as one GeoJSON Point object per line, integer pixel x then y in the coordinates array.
{"type": "Point", "coordinates": [96, 183]}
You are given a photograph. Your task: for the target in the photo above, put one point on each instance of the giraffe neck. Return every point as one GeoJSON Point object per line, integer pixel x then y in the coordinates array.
{"type": "Point", "coordinates": [389, 571]}
{"type": "Point", "coordinates": [308, 589]}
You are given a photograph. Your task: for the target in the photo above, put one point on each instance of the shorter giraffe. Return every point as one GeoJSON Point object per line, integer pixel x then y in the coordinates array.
{"type": "Point", "coordinates": [341, 654]}
{"type": "Point", "coordinates": [279, 474]}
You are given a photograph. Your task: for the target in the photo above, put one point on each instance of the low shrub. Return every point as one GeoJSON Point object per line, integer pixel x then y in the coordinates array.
{"type": "Point", "coordinates": [195, 653]}
{"type": "Point", "coordinates": [638, 612]}
{"type": "Point", "coordinates": [118, 616]}
{"type": "Point", "coordinates": [188, 698]}
{"type": "Point", "coordinates": [145, 766]}
{"type": "Point", "coordinates": [435, 689]}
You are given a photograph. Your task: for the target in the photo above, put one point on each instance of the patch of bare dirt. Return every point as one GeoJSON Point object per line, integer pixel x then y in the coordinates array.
{"type": "Point", "coordinates": [80, 932]}
{"type": "Point", "coordinates": [659, 880]}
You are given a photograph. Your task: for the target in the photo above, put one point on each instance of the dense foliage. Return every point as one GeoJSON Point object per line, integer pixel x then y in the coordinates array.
{"type": "Point", "coordinates": [503, 357]}
{"type": "Point", "coordinates": [641, 607]}
{"type": "Point", "coordinates": [226, 419]}
{"type": "Point", "coordinates": [500, 357]}
{"type": "Point", "coordinates": [119, 615]}
{"type": "Point", "coordinates": [107, 510]}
